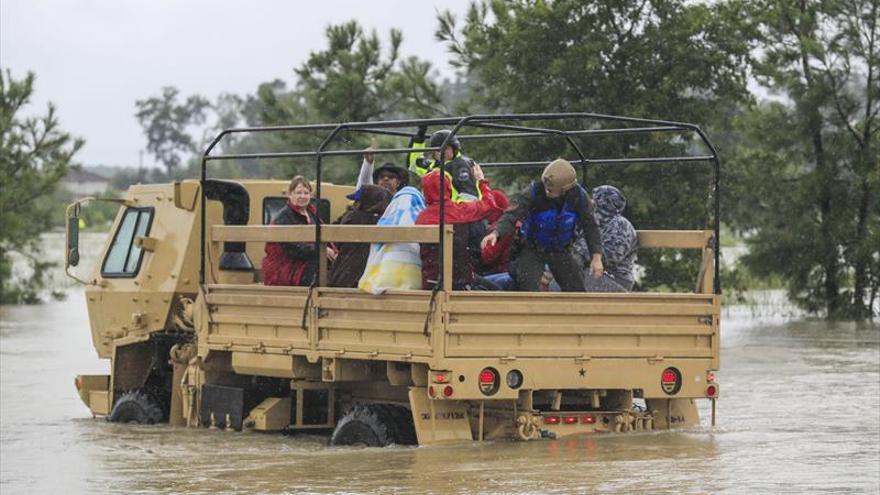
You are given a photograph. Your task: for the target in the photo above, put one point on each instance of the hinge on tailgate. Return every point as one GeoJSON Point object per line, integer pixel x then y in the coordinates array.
{"type": "Point", "coordinates": [432, 304]}
{"type": "Point", "coordinates": [308, 304]}
{"type": "Point", "coordinates": [706, 320]}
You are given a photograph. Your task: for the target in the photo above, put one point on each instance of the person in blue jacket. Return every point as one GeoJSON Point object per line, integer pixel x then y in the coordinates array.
{"type": "Point", "coordinates": [550, 212]}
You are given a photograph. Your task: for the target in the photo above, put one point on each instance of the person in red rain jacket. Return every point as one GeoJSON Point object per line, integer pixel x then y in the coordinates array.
{"type": "Point", "coordinates": [293, 263]}
{"type": "Point", "coordinates": [495, 258]}
{"type": "Point", "coordinates": [459, 215]}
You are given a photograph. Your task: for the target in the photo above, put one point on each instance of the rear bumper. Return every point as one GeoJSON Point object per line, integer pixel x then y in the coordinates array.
{"type": "Point", "coordinates": [575, 374]}
{"type": "Point", "coordinates": [94, 390]}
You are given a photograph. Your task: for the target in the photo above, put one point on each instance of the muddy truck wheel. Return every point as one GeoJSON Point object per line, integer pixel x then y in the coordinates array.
{"type": "Point", "coordinates": [375, 425]}
{"type": "Point", "coordinates": [136, 406]}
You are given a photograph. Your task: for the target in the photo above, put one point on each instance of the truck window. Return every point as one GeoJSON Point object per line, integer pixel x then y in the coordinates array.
{"type": "Point", "coordinates": [124, 257]}
{"type": "Point", "coordinates": [272, 206]}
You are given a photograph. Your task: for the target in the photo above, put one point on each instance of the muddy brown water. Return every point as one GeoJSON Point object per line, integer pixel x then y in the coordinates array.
{"type": "Point", "coordinates": [799, 413]}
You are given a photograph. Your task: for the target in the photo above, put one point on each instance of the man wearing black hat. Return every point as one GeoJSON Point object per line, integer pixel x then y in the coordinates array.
{"type": "Point", "coordinates": [389, 176]}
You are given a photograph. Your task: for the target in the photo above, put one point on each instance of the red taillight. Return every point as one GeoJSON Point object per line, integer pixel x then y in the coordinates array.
{"type": "Point", "coordinates": [570, 420]}
{"type": "Point", "coordinates": [588, 419]}
{"type": "Point", "coordinates": [447, 391]}
{"type": "Point", "coordinates": [487, 377]}
{"type": "Point", "coordinates": [441, 378]}
{"type": "Point", "coordinates": [551, 420]}
{"type": "Point", "coordinates": [710, 376]}
{"type": "Point", "coordinates": [712, 391]}
{"type": "Point", "coordinates": [670, 380]}
{"type": "Point", "coordinates": [431, 391]}
{"type": "Point", "coordinates": [489, 381]}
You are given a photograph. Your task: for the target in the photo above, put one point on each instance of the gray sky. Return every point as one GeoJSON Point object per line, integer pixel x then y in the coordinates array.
{"type": "Point", "coordinates": [94, 58]}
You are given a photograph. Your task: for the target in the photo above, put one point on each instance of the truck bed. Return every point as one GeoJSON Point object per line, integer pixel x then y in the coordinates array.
{"type": "Point", "coordinates": [463, 324]}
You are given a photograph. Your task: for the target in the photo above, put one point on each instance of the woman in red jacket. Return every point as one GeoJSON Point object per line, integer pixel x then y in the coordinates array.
{"type": "Point", "coordinates": [459, 215]}
{"type": "Point", "coordinates": [293, 263]}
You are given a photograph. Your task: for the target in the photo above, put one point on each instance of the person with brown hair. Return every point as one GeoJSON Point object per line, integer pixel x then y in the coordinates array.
{"type": "Point", "coordinates": [293, 263]}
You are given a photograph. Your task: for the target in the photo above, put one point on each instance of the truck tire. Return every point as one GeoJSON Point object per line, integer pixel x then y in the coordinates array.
{"type": "Point", "coordinates": [375, 425]}
{"type": "Point", "coordinates": [136, 406]}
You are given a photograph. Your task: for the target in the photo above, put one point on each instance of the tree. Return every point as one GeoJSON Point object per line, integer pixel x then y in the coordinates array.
{"type": "Point", "coordinates": [808, 163]}
{"type": "Point", "coordinates": [355, 78]}
{"type": "Point", "coordinates": [666, 59]}
{"type": "Point", "coordinates": [166, 120]}
{"type": "Point", "coordinates": [351, 80]}
{"type": "Point", "coordinates": [35, 154]}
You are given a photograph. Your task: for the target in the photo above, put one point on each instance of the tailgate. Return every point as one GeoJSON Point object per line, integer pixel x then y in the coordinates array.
{"type": "Point", "coordinates": [626, 325]}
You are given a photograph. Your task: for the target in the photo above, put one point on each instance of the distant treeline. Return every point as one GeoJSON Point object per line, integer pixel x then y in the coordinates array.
{"type": "Point", "coordinates": [788, 91]}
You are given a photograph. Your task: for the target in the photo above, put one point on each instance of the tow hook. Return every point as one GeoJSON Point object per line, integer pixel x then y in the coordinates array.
{"type": "Point", "coordinates": [527, 427]}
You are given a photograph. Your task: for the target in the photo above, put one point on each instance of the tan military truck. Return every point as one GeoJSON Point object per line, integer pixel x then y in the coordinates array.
{"type": "Point", "coordinates": [194, 338]}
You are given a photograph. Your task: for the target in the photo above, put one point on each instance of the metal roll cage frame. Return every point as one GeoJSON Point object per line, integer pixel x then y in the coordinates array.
{"type": "Point", "coordinates": [496, 122]}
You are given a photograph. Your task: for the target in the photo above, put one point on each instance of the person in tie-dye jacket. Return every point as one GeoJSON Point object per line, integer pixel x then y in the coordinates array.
{"type": "Point", "coordinates": [619, 242]}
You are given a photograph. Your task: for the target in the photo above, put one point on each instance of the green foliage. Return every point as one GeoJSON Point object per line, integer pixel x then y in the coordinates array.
{"type": "Point", "coordinates": [805, 170]}
{"type": "Point", "coordinates": [35, 154]}
{"type": "Point", "coordinates": [355, 78]}
{"type": "Point", "coordinates": [166, 120]}
{"type": "Point", "coordinates": [672, 60]}
{"type": "Point", "coordinates": [351, 80]}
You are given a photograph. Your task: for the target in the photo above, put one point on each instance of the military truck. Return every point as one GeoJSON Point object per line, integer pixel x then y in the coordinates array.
{"type": "Point", "coordinates": [195, 339]}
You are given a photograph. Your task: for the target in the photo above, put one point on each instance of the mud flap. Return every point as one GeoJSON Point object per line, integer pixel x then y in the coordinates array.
{"type": "Point", "coordinates": [180, 356]}
{"type": "Point", "coordinates": [438, 421]}
{"type": "Point", "coordinates": [674, 413]}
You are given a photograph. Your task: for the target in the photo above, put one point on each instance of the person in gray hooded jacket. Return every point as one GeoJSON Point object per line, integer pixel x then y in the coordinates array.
{"type": "Point", "coordinates": [619, 242]}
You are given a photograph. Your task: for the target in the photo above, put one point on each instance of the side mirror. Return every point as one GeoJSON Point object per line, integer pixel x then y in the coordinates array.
{"type": "Point", "coordinates": [72, 252]}
{"type": "Point", "coordinates": [71, 249]}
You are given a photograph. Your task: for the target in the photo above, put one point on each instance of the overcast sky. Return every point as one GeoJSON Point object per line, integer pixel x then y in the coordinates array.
{"type": "Point", "coordinates": [94, 58]}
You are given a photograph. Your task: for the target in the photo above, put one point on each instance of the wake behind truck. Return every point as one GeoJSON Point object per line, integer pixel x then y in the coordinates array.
{"type": "Point", "coordinates": [194, 338]}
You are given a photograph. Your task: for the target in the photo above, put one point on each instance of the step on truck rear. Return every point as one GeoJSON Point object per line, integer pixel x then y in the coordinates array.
{"type": "Point", "coordinates": [194, 338]}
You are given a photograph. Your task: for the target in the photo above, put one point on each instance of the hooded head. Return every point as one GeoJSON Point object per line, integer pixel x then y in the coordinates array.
{"type": "Point", "coordinates": [610, 202]}
{"type": "Point", "coordinates": [431, 187]}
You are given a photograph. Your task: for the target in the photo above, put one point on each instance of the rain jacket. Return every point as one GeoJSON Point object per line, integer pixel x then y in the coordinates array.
{"type": "Point", "coordinates": [290, 263]}
{"type": "Point", "coordinates": [395, 265]}
{"type": "Point", "coordinates": [619, 239]}
{"type": "Point", "coordinates": [460, 215]}
{"type": "Point", "coordinates": [346, 271]}
{"type": "Point", "coordinates": [496, 258]}
{"type": "Point", "coordinates": [460, 169]}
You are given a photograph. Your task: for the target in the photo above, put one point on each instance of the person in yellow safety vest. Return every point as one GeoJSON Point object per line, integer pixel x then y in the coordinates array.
{"type": "Point", "coordinates": [459, 168]}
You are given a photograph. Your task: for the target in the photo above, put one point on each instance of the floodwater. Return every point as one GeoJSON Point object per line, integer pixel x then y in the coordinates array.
{"type": "Point", "coordinates": [799, 413]}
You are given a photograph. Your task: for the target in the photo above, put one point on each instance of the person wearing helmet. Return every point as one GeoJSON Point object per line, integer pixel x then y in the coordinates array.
{"type": "Point", "coordinates": [459, 167]}
{"type": "Point", "coordinates": [389, 176]}
{"type": "Point", "coordinates": [550, 211]}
